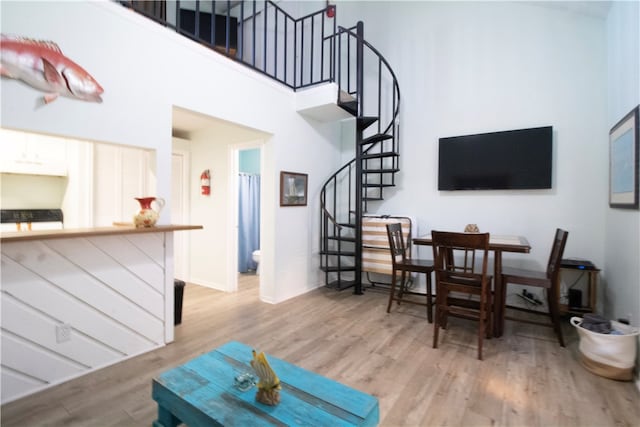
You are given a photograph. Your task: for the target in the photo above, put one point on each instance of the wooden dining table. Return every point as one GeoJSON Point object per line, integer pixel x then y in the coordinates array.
{"type": "Point", "coordinates": [497, 244]}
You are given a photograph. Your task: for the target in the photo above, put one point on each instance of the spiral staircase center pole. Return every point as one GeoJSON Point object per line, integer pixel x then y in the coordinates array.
{"type": "Point", "coordinates": [359, 136]}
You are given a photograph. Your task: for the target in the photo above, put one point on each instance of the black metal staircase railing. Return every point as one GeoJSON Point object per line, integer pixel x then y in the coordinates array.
{"type": "Point", "coordinates": [346, 195]}
{"type": "Point", "coordinates": [304, 52]}
{"type": "Point", "coordinates": [297, 52]}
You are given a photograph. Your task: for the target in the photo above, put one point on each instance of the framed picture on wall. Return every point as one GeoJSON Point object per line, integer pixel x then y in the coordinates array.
{"type": "Point", "coordinates": [624, 161]}
{"type": "Point", "coordinates": [293, 189]}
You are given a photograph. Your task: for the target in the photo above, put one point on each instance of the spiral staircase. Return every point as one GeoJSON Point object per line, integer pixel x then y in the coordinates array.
{"type": "Point", "coordinates": [348, 193]}
{"type": "Point", "coordinates": [301, 53]}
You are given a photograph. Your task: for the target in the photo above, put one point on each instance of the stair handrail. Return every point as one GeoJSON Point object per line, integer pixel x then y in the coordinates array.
{"type": "Point", "coordinates": [329, 214]}
{"type": "Point", "coordinates": [396, 87]}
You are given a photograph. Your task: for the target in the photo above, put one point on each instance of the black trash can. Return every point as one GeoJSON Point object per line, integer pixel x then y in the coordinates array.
{"type": "Point", "coordinates": [178, 286]}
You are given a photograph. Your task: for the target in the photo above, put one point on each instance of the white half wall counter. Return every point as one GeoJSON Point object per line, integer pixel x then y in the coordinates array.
{"type": "Point", "coordinates": [74, 301]}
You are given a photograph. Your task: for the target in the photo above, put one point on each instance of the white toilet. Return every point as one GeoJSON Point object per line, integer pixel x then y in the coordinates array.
{"type": "Point", "coordinates": [256, 257]}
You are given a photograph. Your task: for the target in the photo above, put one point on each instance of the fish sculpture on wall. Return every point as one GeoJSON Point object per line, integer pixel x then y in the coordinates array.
{"type": "Point", "coordinates": [42, 65]}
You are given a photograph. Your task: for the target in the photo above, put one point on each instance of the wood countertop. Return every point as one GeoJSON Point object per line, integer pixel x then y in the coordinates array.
{"type": "Point", "coordinates": [22, 236]}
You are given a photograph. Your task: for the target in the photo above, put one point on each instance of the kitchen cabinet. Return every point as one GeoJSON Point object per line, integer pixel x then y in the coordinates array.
{"type": "Point", "coordinates": [98, 185]}
{"type": "Point", "coordinates": [34, 154]}
{"type": "Point", "coordinates": [119, 175]}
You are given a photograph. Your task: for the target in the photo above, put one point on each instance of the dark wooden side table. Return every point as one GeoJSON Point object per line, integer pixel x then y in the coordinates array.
{"type": "Point", "coordinates": [593, 274]}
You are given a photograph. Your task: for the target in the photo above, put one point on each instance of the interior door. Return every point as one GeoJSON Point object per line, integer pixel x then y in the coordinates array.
{"type": "Point", "coordinates": [180, 214]}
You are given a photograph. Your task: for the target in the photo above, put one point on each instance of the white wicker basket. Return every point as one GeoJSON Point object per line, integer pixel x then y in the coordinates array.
{"type": "Point", "coordinates": [608, 355]}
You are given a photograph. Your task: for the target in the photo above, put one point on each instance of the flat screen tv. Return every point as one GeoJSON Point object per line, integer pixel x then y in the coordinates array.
{"type": "Point", "coordinates": [509, 160]}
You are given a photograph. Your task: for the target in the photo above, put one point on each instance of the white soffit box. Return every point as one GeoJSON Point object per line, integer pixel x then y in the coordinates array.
{"type": "Point", "coordinates": [320, 103]}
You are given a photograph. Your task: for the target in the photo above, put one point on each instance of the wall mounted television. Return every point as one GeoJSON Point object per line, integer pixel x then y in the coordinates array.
{"type": "Point", "coordinates": [508, 160]}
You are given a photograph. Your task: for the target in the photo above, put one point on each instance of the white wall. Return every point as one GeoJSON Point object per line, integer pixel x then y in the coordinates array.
{"type": "Point", "coordinates": [145, 70]}
{"type": "Point", "coordinates": [622, 244]}
{"type": "Point", "coordinates": [472, 67]}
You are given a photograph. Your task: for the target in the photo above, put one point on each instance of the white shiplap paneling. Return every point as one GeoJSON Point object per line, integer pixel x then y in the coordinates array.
{"type": "Point", "coordinates": [21, 320]}
{"type": "Point", "coordinates": [110, 290]}
{"type": "Point", "coordinates": [16, 384]}
{"type": "Point", "coordinates": [25, 356]}
{"type": "Point", "coordinates": [44, 262]}
{"type": "Point", "coordinates": [41, 295]}
{"type": "Point", "coordinates": [124, 250]}
{"type": "Point", "coordinates": [90, 258]}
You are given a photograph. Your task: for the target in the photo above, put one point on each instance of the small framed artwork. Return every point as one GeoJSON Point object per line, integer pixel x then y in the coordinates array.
{"type": "Point", "coordinates": [624, 161]}
{"type": "Point", "coordinates": [293, 189]}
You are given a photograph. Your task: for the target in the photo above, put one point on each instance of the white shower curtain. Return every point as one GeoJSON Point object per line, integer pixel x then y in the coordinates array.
{"type": "Point", "coordinates": [248, 220]}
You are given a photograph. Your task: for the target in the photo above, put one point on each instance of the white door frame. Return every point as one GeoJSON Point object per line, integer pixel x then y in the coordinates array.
{"type": "Point", "coordinates": [185, 216]}
{"type": "Point", "coordinates": [232, 232]}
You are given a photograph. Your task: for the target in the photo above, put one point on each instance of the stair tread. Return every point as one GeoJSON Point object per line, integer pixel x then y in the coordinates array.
{"type": "Point", "coordinates": [376, 138]}
{"type": "Point", "coordinates": [381, 170]}
{"type": "Point", "coordinates": [350, 107]}
{"type": "Point", "coordinates": [342, 238]}
{"type": "Point", "coordinates": [346, 224]}
{"type": "Point", "coordinates": [365, 121]}
{"type": "Point", "coordinates": [374, 185]}
{"type": "Point", "coordinates": [338, 253]}
{"type": "Point", "coordinates": [335, 269]}
{"type": "Point", "coordinates": [380, 155]}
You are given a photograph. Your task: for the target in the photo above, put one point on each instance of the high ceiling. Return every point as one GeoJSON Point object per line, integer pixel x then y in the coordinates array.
{"type": "Point", "coordinates": [186, 122]}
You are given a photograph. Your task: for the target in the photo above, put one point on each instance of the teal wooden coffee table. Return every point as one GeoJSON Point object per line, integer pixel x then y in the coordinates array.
{"type": "Point", "coordinates": [202, 392]}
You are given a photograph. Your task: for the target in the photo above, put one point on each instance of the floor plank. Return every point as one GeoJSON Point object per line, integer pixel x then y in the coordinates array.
{"type": "Point", "coordinates": [526, 379]}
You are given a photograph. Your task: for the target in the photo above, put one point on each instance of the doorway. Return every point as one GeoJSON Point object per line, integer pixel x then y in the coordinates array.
{"type": "Point", "coordinates": [247, 167]}
{"type": "Point", "coordinates": [211, 254]}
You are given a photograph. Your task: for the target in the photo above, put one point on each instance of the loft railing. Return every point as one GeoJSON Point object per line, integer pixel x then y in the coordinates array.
{"type": "Point", "coordinates": [297, 52]}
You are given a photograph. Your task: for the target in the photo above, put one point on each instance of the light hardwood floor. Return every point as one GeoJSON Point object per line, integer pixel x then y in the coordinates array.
{"type": "Point", "coordinates": [526, 379]}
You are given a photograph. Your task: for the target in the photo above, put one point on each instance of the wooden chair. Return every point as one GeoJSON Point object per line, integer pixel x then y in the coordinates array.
{"type": "Point", "coordinates": [463, 289]}
{"type": "Point", "coordinates": [549, 280]}
{"type": "Point", "coordinates": [402, 261]}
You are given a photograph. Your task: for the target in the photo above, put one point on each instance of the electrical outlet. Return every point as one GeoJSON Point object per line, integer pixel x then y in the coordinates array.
{"type": "Point", "coordinates": [63, 333]}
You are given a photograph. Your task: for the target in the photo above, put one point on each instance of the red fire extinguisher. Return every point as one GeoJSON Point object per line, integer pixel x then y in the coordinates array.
{"type": "Point", "coordinates": [205, 182]}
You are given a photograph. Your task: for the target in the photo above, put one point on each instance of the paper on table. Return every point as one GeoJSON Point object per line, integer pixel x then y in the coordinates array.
{"type": "Point", "coordinates": [505, 240]}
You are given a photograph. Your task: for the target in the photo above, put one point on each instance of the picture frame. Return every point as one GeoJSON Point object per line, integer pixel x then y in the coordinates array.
{"type": "Point", "coordinates": [624, 162]}
{"type": "Point", "coordinates": [293, 189]}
